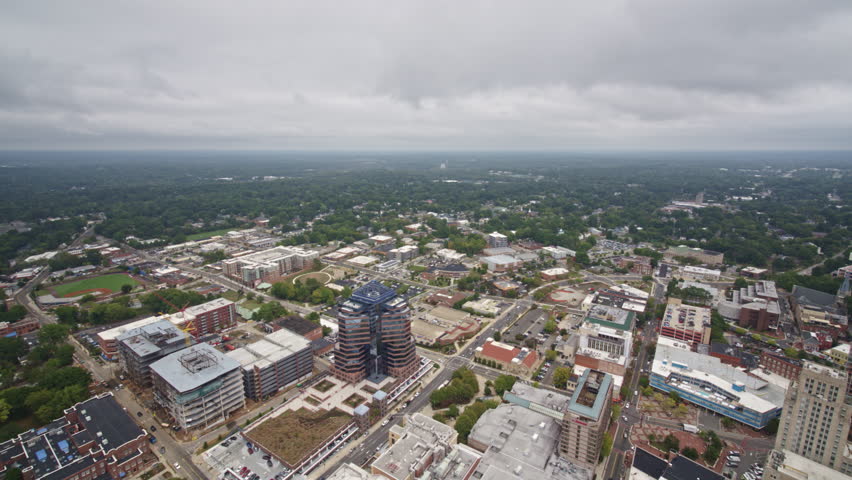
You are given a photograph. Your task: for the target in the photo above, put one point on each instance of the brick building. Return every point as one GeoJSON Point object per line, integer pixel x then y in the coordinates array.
{"type": "Point", "coordinates": [786, 367]}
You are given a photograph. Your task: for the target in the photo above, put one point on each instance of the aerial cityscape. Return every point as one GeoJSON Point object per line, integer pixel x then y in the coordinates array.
{"type": "Point", "coordinates": [399, 246]}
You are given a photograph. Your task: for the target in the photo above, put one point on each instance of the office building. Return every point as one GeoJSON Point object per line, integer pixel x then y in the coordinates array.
{"type": "Point", "coordinates": [268, 266]}
{"type": "Point", "coordinates": [815, 422]}
{"type": "Point", "coordinates": [586, 418]}
{"type": "Point", "coordinates": [94, 439]}
{"type": "Point", "coordinates": [497, 240]}
{"type": "Point", "coordinates": [140, 347]}
{"type": "Point", "coordinates": [198, 386]}
{"type": "Point", "coordinates": [707, 382]}
{"type": "Point", "coordinates": [603, 348]}
{"type": "Point", "coordinates": [278, 360]}
{"type": "Point", "coordinates": [611, 317]}
{"type": "Point", "coordinates": [686, 323]}
{"type": "Point", "coordinates": [403, 253]}
{"type": "Point", "coordinates": [755, 306]}
{"type": "Point", "coordinates": [374, 335]}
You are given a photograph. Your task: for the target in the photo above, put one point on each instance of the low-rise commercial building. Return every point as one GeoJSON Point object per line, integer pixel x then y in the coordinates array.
{"type": "Point", "coordinates": [755, 306]}
{"type": "Point", "coordinates": [301, 326]}
{"type": "Point", "coordinates": [280, 359]}
{"type": "Point", "coordinates": [520, 361]}
{"type": "Point", "coordinates": [552, 274]}
{"type": "Point", "coordinates": [647, 466]}
{"type": "Point", "coordinates": [198, 386]}
{"type": "Point", "coordinates": [21, 327]}
{"type": "Point", "coordinates": [404, 253]}
{"type": "Point", "coordinates": [95, 439]}
{"type": "Point", "coordinates": [788, 368]}
{"type": "Point", "coordinates": [686, 323]}
{"type": "Point", "coordinates": [707, 382]}
{"type": "Point", "coordinates": [559, 253]}
{"type": "Point", "coordinates": [502, 263]}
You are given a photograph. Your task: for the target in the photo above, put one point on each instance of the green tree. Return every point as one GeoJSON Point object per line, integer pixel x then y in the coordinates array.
{"type": "Point", "coordinates": [550, 355]}
{"type": "Point", "coordinates": [52, 333]}
{"type": "Point", "coordinates": [126, 288]}
{"type": "Point", "coordinates": [453, 411]}
{"type": "Point", "coordinates": [5, 409]}
{"type": "Point", "coordinates": [561, 375]}
{"type": "Point", "coordinates": [690, 453]}
{"type": "Point", "coordinates": [606, 446]}
{"type": "Point", "coordinates": [550, 326]}
{"type": "Point", "coordinates": [504, 383]}
{"type": "Point", "coordinates": [14, 474]}
{"type": "Point", "coordinates": [497, 336]}
{"type": "Point", "coordinates": [740, 282]}
{"type": "Point", "coordinates": [616, 410]}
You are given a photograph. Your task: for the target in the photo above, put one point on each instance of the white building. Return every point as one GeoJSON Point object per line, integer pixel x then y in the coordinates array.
{"type": "Point", "coordinates": [559, 252]}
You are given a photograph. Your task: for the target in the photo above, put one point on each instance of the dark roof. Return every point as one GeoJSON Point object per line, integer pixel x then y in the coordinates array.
{"type": "Point", "coordinates": [809, 296]}
{"type": "Point", "coordinates": [373, 293]}
{"type": "Point", "coordinates": [105, 415]}
{"type": "Point", "coordinates": [297, 324]}
{"type": "Point", "coordinates": [453, 267]}
{"type": "Point", "coordinates": [70, 469]}
{"type": "Point", "coordinates": [683, 468]}
{"type": "Point", "coordinates": [649, 464]}
{"type": "Point", "coordinates": [321, 343]}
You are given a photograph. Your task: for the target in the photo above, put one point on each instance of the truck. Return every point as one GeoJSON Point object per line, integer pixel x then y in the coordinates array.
{"type": "Point", "coordinates": [690, 428]}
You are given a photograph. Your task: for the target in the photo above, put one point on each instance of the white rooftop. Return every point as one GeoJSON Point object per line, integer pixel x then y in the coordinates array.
{"type": "Point", "coordinates": [193, 367]}
{"type": "Point", "coordinates": [759, 395]}
{"type": "Point", "coordinates": [270, 349]}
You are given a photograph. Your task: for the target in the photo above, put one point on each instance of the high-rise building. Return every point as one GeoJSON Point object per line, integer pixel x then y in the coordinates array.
{"type": "Point", "coordinates": [815, 420]}
{"type": "Point", "coordinates": [198, 386]}
{"type": "Point", "coordinates": [586, 418]}
{"type": "Point", "coordinates": [374, 335]}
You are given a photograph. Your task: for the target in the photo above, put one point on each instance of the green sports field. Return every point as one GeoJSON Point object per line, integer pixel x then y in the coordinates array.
{"type": "Point", "coordinates": [111, 282]}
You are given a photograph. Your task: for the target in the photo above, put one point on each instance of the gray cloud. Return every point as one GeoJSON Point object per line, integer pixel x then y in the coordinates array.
{"type": "Point", "coordinates": [442, 75]}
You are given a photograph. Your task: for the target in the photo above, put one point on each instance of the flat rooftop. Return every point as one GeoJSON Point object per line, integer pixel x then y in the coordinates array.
{"type": "Point", "coordinates": [270, 349]}
{"type": "Point", "coordinates": [590, 395]}
{"type": "Point", "coordinates": [799, 467]}
{"type": "Point", "coordinates": [758, 395]}
{"type": "Point", "coordinates": [611, 317]}
{"type": "Point", "coordinates": [292, 435]}
{"type": "Point", "coordinates": [193, 367]}
{"type": "Point", "coordinates": [686, 317]}
{"type": "Point", "coordinates": [206, 307]}
{"type": "Point", "coordinates": [152, 338]}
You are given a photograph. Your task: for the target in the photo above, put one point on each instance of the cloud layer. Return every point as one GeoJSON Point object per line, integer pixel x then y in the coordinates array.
{"type": "Point", "coordinates": [716, 74]}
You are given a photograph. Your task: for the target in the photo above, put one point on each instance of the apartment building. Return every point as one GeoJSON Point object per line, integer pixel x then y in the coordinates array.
{"type": "Point", "coordinates": [198, 386]}
{"type": "Point", "coordinates": [788, 368]}
{"type": "Point", "coordinates": [278, 360]}
{"type": "Point", "coordinates": [212, 317]}
{"type": "Point", "coordinates": [268, 265]}
{"type": "Point", "coordinates": [586, 418]}
{"type": "Point", "coordinates": [140, 347]}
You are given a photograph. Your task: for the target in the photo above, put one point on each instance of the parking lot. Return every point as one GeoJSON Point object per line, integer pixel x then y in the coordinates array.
{"type": "Point", "coordinates": [529, 325]}
{"type": "Point", "coordinates": [233, 453]}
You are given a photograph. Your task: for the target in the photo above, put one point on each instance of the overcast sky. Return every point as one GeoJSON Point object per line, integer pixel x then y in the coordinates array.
{"type": "Point", "coordinates": [649, 74]}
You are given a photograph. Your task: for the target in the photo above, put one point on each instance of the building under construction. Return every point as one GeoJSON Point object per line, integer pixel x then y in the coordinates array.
{"type": "Point", "coordinates": [198, 386]}
{"type": "Point", "coordinates": [142, 346]}
{"type": "Point", "coordinates": [280, 359]}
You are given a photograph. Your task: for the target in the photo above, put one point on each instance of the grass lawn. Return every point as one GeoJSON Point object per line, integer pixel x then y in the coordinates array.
{"type": "Point", "coordinates": [111, 282]}
{"type": "Point", "coordinates": [323, 386]}
{"type": "Point", "coordinates": [231, 295]}
{"type": "Point", "coordinates": [293, 435]}
{"type": "Point", "coordinates": [250, 304]}
{"type": "Point", "coordinates": [206, 235]}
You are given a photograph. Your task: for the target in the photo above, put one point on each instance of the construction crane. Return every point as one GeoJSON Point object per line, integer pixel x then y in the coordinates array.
{"type": "Point", "coordinates": [188, 327]}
